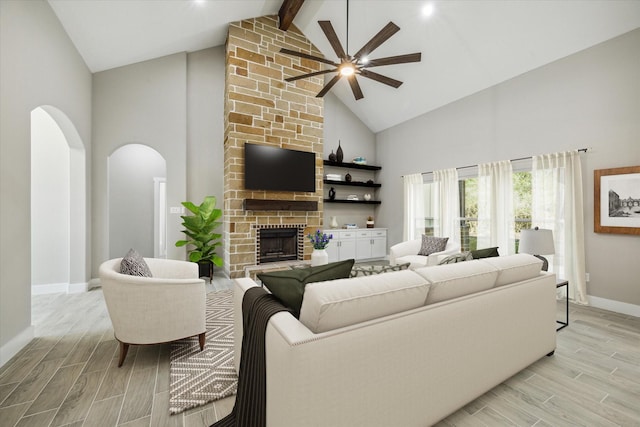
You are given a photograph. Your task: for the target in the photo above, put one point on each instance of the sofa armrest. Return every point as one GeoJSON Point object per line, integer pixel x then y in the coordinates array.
{"type": "Point", "coordinates": [410, 247]}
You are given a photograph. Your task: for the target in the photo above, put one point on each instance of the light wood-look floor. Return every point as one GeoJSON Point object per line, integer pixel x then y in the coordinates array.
{"type": "Point", "coordinates": [67, 376]}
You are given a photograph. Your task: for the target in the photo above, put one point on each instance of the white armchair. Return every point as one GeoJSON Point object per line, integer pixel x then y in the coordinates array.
{"type": "Point", "coordinates": [150, 310]}
{"type": "Point", "coordinates": [408, 252]}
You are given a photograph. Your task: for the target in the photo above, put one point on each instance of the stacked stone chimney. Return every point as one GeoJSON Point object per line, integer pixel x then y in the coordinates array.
{"type": "Point", "coordinates": [260, 107]}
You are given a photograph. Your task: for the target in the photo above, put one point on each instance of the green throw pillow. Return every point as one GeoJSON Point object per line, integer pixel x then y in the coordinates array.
{"type": "Point", "coordinates": [288, 285]}
{"type": "Point", "coordinates": [485, 253]}
{"type": "Point", "coordinates": [370, 270]}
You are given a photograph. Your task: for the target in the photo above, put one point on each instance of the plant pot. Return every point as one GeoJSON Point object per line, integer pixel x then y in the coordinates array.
{"type": "Point", "coordinates": [319, 257]}
{"type": "Point", "coordinates": [205, 269]}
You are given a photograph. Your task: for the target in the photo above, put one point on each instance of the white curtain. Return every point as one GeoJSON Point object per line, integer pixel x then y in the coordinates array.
{"type": "Point", "coordinates": [495, 207]}
{"type": "Point", "coordinates": [413, 207]}
{"type": "Point", "coordinates": [558, 205]}
{"type": "Point", "coordinates": [446, 206]}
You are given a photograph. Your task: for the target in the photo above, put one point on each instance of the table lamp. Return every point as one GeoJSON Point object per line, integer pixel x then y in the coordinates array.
{"type": "Point", "coordinates": [537, 242]}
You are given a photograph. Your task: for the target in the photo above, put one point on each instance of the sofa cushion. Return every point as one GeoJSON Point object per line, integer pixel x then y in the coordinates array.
{"type": "Point", "coordinates": [455, 280]}
{"type": "Point", "coordinates": [452, 259]}
{"type": "Point", "coordinates": [485, 253]}
{"type": "Point", "coordinates": [431, 244]}
{"type": "Point", "coordinates": [514, 268]}
{"type": "Point", "coordinates": [134, 264]}
{"type": "Point", "coordinates": [338, 303]}
{"type": "Point", "coordinates": [288, 285]}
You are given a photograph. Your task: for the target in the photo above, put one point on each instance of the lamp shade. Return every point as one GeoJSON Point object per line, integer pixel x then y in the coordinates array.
{"type": "Point", "coordinates": [536, 241]}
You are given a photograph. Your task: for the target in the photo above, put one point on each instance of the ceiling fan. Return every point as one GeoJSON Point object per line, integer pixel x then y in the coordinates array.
{"type": "Point", "coordinates": [352, 65]}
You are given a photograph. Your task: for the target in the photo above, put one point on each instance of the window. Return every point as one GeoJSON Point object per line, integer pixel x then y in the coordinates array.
{"type": "Point", "coordinates": [469, 205]}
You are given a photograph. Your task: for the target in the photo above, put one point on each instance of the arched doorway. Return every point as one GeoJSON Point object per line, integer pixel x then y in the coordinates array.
{"type": "Point", "coordinates": [58, 204]}
{"type": "Point", "coordinates": [137, 201]}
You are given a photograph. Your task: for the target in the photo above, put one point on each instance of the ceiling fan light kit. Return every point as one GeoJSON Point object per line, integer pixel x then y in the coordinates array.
{"type": "Point", "coordinates": [358, 64]}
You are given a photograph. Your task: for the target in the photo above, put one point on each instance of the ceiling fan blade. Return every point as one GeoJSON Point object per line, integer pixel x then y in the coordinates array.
{"type": "Point", "coordinates": [328, 86]}
{"type": "Point", "coordinates": [307, 56]}
{"type": "Point", "coordinates": [355, 87]}
{"type": "Point", "coordinates": [382, 36]}
{"type": "Point", "coordinates": [380, 78]}
{"type": "Point", "coordinates": [331, 35]}
{"type": "Point", "coordinates": [390, 60]}
{"type": "Point", "coordinates": [304, 76]}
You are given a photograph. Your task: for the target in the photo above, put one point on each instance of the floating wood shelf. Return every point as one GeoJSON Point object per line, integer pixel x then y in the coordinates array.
{"type": "Point", "coordinates": [279, 205]}
{"type": "Point", "coordinates": [351, 165]}
{"type": "Point", "coordinates": [362, 202]}
{"type": "Point", "coordinates": [352, 183]}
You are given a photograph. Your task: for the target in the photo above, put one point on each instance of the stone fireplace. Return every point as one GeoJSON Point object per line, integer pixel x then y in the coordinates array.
{"type": "Point", "coordinates": [260, 107]}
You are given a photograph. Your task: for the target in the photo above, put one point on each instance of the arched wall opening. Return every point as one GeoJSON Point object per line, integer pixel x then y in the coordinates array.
{"type": "Point", "coordinates": [58, 204]}
{"type": "Point", "coordinates": [137, 206]}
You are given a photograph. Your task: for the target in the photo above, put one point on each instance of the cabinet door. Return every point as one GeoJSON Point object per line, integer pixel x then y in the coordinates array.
{"type": "Point", "coordinates": [378, 247]}
{"type": "Point", "coordinates": [347, 249]}
{"type": "Point", "coordinates": [363, 247]}
{"type": "Point", "coordinates": [333, 250]}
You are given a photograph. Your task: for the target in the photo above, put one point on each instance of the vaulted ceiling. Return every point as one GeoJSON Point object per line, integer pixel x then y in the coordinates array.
{"type": "Point", "coordinates": [466, 46]}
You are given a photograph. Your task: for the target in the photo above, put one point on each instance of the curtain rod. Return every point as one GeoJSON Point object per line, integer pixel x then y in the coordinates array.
{"type": "Point", "coordinates": [580, 150]}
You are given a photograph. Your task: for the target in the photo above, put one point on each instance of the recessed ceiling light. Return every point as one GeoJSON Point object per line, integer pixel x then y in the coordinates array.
{"type": "Point", "coordinates": [428, 10]}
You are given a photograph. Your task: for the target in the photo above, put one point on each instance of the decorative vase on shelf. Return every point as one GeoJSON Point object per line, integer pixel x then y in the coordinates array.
{"type": "Point", "coordinates": [334, 222]}
{"type": "Point", "coordinates": [367, 197]}
{"type": "Point", "coordinates": [319, 257]}
{"type": "Point", "coordinates": [332, 193]}
{"type": "Point", "coordinates": [339, 153]}
{"type": "Point", "coordinates": [332, 156]}
{"type": "Point", "coordinates": [347, 177]}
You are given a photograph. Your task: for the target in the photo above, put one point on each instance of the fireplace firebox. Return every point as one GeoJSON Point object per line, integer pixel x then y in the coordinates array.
{"type": "Point", "coordinates": [277, 244]}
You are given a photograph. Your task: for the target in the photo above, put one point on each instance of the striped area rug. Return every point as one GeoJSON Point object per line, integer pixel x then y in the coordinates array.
{"type": "Point", "coordinates": [199, 377]}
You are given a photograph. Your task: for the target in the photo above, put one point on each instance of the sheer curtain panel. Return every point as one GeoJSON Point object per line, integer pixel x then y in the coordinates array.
{"type": "Point", "coordinates": [495, 207]}
{"type": "Point", "coordinates": [413, 207]}
{"type": "Point", "coordinates": [557, 204]}
{"type": "Point", "coordinates": [447, 204]}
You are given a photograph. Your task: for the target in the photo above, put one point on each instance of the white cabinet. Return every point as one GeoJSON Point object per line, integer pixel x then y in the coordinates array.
{"type": "Point", "coordinates": [342, 246]}
{"type": "Point", "coordinates": [361, 243]}
{"type": "Point", "coordinates": [371, 243]}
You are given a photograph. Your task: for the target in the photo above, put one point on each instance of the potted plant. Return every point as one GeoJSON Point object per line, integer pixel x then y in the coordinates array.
{"type": "Point", "coordinates": [320, 241]}
{"type": "Point", "coordinates": [199, 229]}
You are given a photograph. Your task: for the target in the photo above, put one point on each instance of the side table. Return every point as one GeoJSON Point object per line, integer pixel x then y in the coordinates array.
{"type": "Point", "coordinates": [560, 284]}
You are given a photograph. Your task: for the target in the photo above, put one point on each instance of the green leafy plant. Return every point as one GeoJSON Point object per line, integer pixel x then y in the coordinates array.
{"type": "Point", "coordinates": [199, 229]}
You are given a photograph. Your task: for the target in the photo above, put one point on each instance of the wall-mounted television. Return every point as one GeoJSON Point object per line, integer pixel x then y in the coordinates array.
{"type": "Point", "coordinates": [278, 169]}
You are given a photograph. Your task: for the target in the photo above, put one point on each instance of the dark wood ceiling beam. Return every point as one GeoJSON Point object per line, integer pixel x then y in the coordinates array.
{"type": "Point", "coordinates": [287, 12]}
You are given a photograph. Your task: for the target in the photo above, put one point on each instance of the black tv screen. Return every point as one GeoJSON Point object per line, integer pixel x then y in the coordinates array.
{"type": "Point", "coordinates": [278, 169]}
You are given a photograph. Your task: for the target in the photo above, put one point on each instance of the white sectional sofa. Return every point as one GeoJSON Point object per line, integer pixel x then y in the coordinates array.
{"type": "Point", "coordinates": [404, 348]}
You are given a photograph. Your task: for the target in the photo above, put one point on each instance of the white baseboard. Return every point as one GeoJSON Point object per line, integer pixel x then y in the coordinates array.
{"type": "Point", "coordinates": [49, 288]}
{"type": "Point", "coordinates": [54, 288]}
{"type": "Point", "coordinates": [16, 344]}
{"type": "Point", "coordinates": [75, 288]}
{"type": "Point", "coordinates": [612, 305]}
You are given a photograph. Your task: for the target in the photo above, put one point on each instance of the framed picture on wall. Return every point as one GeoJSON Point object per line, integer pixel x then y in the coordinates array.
{"type": "Point", "coordinates": [617, 200]}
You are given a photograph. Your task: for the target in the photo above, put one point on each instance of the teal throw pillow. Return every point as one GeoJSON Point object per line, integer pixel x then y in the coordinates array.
{"type": "Point", "coordinates": [288, 285]}
{"type": "Point", "coordinates": [485, 253]}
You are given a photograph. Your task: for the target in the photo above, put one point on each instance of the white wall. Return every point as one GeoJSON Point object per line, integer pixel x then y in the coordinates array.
{"type": "Point", "coordinates": [590, 99]}
{"type": "Point", "coordinates": [38, 66]}
{"type": "Point", "coordinates": [142, 103]}
{"type": "Point", "coordinates": [132, 169]}
{"type": "Point", "coordinates": [50, 200]}
{"type": "Point", "coordinates": [205, 125]}
{"type": "Point", "coordinates": [356, 140]}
